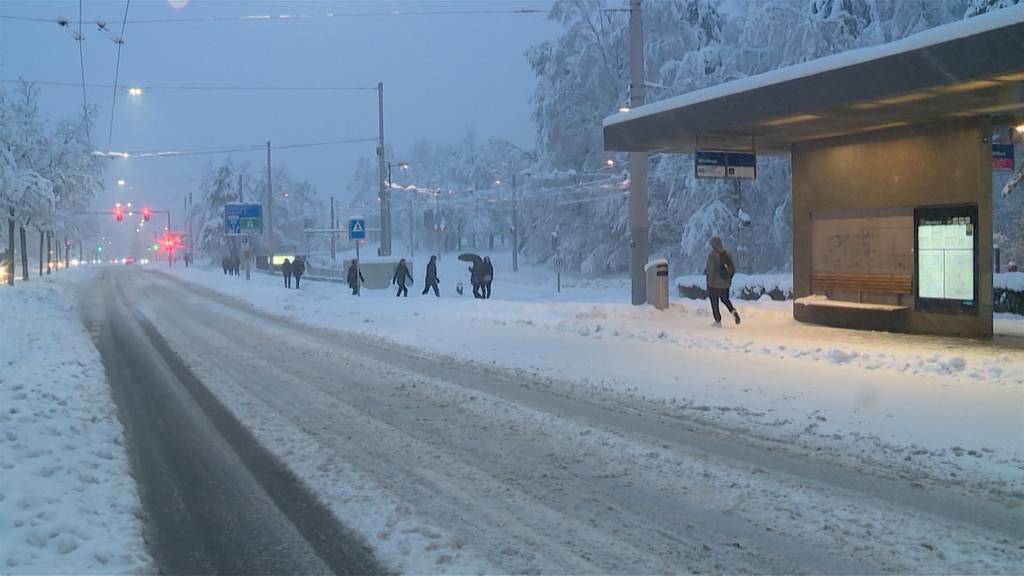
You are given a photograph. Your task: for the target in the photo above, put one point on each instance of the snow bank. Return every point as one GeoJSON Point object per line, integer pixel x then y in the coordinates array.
{"type": "Point", "coordinates": [68, 504]}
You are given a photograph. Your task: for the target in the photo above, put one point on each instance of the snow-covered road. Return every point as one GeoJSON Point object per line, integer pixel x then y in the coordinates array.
{"type": "Point", "coordinates": [447, 466]}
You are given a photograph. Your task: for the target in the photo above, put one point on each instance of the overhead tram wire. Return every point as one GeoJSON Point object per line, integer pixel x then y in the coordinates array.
{"type": "Point", "coordinates": [298, 17]}
{"type": "Point", "coordinates": [117, 70]}
{"type": "Point", "coordinates": [225, 150]}
{"type": "Point", "coordinates": [198, 88]}
{"type": "Point", "coordinates": [81, 63]}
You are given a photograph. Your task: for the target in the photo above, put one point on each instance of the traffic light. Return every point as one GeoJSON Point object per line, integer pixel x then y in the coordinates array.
{"type": "Point", "coordinates": [119, 213]}
{"type": "Point", "coordinates": [146, 214]}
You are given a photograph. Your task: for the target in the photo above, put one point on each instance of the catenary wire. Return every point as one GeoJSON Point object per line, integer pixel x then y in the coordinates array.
{"type": "Point", "coordinates": [117, 69]}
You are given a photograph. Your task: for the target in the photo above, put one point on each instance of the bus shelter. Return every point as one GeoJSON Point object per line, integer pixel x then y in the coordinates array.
{"type": "Point", "coordinates": [891, 149]}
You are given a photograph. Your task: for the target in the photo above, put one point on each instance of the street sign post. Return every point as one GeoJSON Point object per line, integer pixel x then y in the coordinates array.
{"type": "Point", "coordinates": [243, 219]}
{"type": "Point", "coordinates": [357, 232]}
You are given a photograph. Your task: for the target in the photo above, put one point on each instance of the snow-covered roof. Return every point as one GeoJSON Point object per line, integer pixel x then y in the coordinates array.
{"type": "Point", "coordinates": [967, 67]}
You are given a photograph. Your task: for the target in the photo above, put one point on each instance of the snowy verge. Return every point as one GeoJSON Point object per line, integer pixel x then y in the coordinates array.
{"type": "Point", "coordinates": [947, 406]}
{"type": "Point", "coordinates": [68, 504]}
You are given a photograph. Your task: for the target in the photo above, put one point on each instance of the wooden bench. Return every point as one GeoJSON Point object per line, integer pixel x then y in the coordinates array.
{"type": "Point", "coordinates": [822, 283]}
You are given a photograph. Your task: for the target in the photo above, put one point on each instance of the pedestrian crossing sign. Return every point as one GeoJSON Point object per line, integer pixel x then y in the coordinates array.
{"type": "Point", "coordinates": [357, 229]}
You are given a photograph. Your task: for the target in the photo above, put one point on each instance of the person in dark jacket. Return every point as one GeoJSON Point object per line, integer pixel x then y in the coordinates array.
{"type": "Point", "coordinates": [286, 271]}
{"type": "Point", "coordinates": [401, 275]}
{"type": "Point", "coordinates": [475, 278]}
{"type": "Point", "coordinates": [298, 269]}
{"type": "Point", "coordinates": [719, 271]}
{"type": "Point", "coordinates": [354, 277]}
{"type": "Point", "coordinates": [486, 277]}
{"type": "Point", "coordinates": [236, 264]}
{"type": "Point", "coordinates": [224, 265]}
{"type": "Point", "coordinates": [431, 277]}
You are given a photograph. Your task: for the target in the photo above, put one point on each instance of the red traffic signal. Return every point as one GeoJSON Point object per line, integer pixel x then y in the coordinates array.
{"type": "Point", "coordinates": [118, 213]}
{"type": "Point", "coordinates": [146, 214]}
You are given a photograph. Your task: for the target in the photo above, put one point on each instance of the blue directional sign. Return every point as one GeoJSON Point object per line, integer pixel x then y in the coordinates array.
{"type": "Point", "coordinates": [725, 164]}
{"type": "Point", "coordinates": [357, 229]}
{"type": "Point", "coordinates": [243, 219]}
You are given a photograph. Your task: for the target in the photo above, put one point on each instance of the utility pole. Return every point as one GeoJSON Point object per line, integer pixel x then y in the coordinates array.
{"type": "Point", "coordinates": [638, 221]}
{"type": "Point", "coordinates": [385, 209]}
{"type": "Point", "coordinates": [270, 213]}
{"type": "Point", "coordinates": [412, 225]}
{"type": "Point", "coordinates": [334, 226]}
{"type": "Point", "coordinates": [515, 227]}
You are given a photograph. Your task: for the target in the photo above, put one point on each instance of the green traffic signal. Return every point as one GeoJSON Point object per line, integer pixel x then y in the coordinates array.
{"type": "Point", "coordinates": [99, 248]}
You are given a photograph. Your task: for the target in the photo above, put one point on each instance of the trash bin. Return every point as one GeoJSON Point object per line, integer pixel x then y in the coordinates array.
{"type": "Point", "coordinates": [657, 283]}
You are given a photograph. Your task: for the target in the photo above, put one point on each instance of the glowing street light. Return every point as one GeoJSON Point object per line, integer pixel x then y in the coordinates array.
{"type": "Point", "coordinates": [623, 108]}
{"type": "Point", "coordinates": [609, 162]}
{"type": "Point", "coordinates": [1020, 128]}
{"type": "Point", "coordinates": [135, 91]}
{"type": "Point", "coordinates": [120, 182]}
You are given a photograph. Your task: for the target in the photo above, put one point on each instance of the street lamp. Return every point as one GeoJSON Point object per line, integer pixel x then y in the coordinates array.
{"type": "Point", "coordinates": [120, 182]}
{"type": "Point", "coordinates": [135, 91]}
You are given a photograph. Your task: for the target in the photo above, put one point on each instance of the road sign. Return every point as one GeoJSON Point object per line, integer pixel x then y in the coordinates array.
{"type": "Point", "coordinates": [357, 229]}
{"type": "Point", "coordinates": [243, 219]}
{"type": "Point", "coordinates": [725, 164]}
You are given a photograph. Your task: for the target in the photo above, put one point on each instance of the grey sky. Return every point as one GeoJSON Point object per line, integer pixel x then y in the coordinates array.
{"type": "Point", "coordinates": [441, 74]}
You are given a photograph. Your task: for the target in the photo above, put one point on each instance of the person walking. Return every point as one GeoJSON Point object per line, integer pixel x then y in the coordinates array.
{"type": "Point", "coordinates": [431, 277]}
{"type": "Point", "coordinates": [298, 269]}
{"type": "Point", "coordinates": [224, 265]}
{"type": "Point", "coordinates": [475, 278]}
{"type": "Point", "coordinates": [401, 274]}
{"type": "Point", "coordinates": [486, 277]}
{"type": "Point", "coordinates": [286, 271]}
{"type": "Point", "coordinates": [354, 277]}
{"type": "Point", "coordinates": [719, 271]}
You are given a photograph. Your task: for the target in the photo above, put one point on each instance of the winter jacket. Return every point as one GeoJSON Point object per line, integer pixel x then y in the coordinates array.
{"type": "Point", "coordinates": [352, 275]}
{"type": "Point", "coordinates": [286, 268]}
{"type": "Point", "coordinates": [401, 273]}
{"type": "Point", "coordinates": [486, 272]}
{"type": "Point", "coordinates": [713, 269]}
{"type": "Point", "coordinates": [432, 271]}
{"type": "Point", "coordinates": [298, 267]}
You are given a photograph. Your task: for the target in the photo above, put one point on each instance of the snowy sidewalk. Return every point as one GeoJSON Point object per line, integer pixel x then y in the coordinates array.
{"type": "Point", "coordinates": [68, 504]}
{"type": "Point", "coordinates": [948, 406]}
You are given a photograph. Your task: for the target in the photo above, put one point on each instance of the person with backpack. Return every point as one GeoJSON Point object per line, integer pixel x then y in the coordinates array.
{"type": "Point", "coordinates": [401, 274]}
{"type": "Point", "coordinates": [719, 271]}
{"type": "Point", "coordinates": [431, 277]}
{"type": "Point", "coordinates": [354, 277]}
{"type": "Point", "coordinates": [286, 271]}
{"type": "Point", "coordinates": [298, 269]}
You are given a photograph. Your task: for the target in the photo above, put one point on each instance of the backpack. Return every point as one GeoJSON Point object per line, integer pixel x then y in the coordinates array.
{"type": "Point", "coordinates": [726, 268]}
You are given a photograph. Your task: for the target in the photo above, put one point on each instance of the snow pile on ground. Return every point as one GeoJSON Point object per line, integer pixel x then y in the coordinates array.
{"type": "Point", "coordinates": [68, 504]}
{"type": "Point", "coordinates": [949, 405]}
{"type": "Point", "coordinates": [765, 282]}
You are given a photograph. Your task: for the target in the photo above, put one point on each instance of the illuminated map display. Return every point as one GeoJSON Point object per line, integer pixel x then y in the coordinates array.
{"type": "Point", "coordinates": [946, 254]}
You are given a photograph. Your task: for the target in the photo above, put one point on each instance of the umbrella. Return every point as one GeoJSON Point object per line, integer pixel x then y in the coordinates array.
{"type": "Point", "coordinates": [471, 257]}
